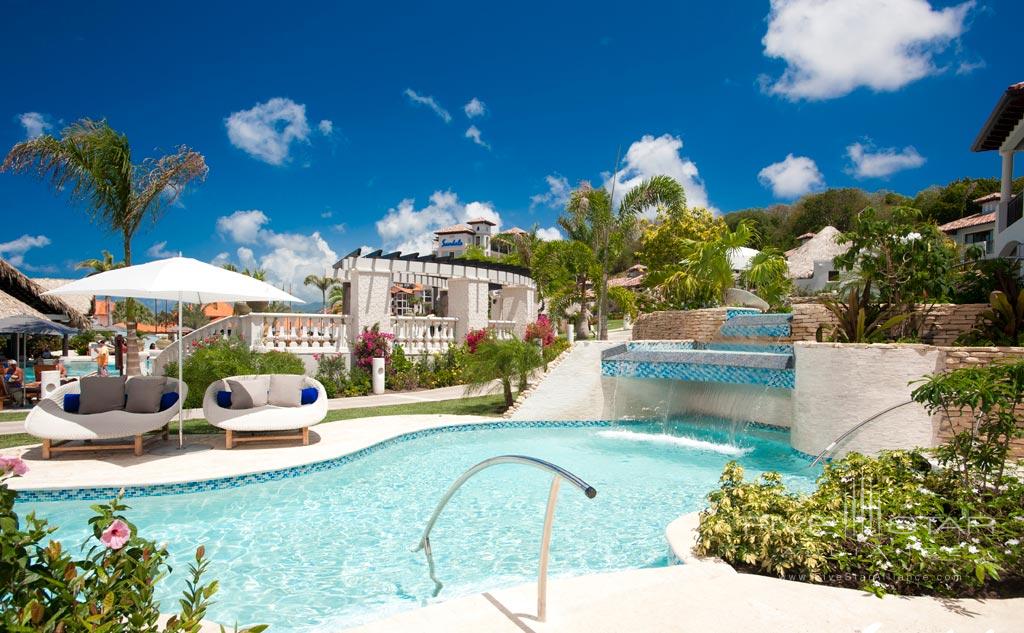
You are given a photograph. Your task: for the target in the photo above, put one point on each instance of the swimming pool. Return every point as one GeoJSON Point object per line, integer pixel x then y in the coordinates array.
{"type": "Point", "coordinates": [322, 551]}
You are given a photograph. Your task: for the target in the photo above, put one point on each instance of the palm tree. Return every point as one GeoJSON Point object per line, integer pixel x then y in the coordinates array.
{"type": "Point", "coordinates": [336, 298]}
{"type": "Point", "coordinates": [103, 264]}
{"type": "Point", "coordinates": [704, 272]}
{"type": "Point", "coordinates": [592, 220]}
{"type": "Point", "coordinates": [510, 361]}
{"type": "Point", "coordinates": [324, 283]}
{"type": "Point", "coordinates": [93, 163]}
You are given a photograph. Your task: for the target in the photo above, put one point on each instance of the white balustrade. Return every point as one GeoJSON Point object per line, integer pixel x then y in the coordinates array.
{"type": "Point", "coordinates": [502, 330]}
{"type": "Point", "coordinates": [221, 328]}
{"type": "Point", "coordinates": [298, 333]}
{"type": "Point", "coordinates": [419, 335]}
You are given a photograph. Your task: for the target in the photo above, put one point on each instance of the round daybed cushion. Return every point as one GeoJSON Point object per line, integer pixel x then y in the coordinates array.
{"type": "Point", "coordinates": [268, 417]}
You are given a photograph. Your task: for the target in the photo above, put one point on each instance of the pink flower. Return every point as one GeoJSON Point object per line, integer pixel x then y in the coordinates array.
{"type": "Point", "coordinates": [116, 534]}
{"type": "Point", "coordinates": [13, 466]}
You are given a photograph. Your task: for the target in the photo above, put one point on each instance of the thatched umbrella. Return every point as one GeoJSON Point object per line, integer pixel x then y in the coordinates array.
{"type": "Point", "coordinates": [821, 247]}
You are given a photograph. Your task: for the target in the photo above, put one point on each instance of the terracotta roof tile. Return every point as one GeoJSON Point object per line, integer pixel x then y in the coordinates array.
{"type": "Point", "coordinates": [455, 228]}
{"type": "Point", "coordinates": [971, 220]}
{"type": "Point", "coordinates": [987, 198]}
{"type": "Point", "coordinates": [481, 221]}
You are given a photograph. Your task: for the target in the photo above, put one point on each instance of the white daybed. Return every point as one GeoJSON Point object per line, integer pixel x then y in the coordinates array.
{"type": "Point", "coordinates": [265, 418]}
{"type": "Point", "coordinates": [56, 427]}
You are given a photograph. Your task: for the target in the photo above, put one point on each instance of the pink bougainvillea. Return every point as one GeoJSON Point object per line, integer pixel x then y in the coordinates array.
{"type": "Point", "coordinates": [541, 330]}
{"type": "Point", "coordinates": [372, 344]}
{"type": "Point", "coordinates": [474, 338]}
{"type": "Point", "coordinates": [116, 535]}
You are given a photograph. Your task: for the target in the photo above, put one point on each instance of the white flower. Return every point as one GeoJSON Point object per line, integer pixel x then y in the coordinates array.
{"type": "Point", "coordinates": [972, 549]}
{"type": "Point", "coordinates": [913, 236]}
{"type": "Point", "coordinates": [1013, 542]}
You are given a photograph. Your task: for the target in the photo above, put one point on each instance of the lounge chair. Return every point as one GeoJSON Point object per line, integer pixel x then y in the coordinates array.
{"type": "Point", "coordinates": [266, 421]}
{"type": "Point", "coordinates": [56, 427]}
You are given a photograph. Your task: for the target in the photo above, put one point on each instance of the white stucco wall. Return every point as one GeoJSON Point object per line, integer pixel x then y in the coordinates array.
{"type": "Point", "coordinates": [469, 303]}
{"type": "Point", "coordinates": [840, 385]}
{"type": "Point", "coordinates": [371, 301]}
{"type": "Point", "coordinates": [518, 304]}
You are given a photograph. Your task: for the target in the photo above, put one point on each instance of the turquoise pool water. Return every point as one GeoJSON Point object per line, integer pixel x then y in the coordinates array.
{"type": "Point", "coordinates": [323, 551]}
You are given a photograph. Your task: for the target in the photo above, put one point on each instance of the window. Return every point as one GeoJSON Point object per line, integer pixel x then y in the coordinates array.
{"type": "Point", "coordinates": [981, 238]}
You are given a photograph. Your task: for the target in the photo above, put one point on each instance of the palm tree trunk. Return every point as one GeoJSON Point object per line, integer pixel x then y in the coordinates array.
{"type": "Point", "coordinates": [506, 385]}
{"type": "Point", "coordinates": [131, 362]}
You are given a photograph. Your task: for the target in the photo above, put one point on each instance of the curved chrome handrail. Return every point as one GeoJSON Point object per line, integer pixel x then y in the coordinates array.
{"type": "Point", "coordinates": [854, 429]}
{"type": "Point", "coordinates": [559, 474]}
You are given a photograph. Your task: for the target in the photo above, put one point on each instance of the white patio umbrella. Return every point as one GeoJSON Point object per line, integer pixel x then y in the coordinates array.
{"type": "Point", "coordinates": [180, 279]}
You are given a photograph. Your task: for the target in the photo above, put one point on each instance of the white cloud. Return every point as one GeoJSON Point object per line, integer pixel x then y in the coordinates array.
{"type": "Point", "coordinates": [557, 194]}
{"type": "Point", "coordinates": [474, 133]}
{"type": "Point", "coordinates": [285, 257]}
{"type": "Point", "coordinates": [408, 229]}
{"type": "Point", "coordinates": [242, 226]}
{"type": "Point", "coordinates": [549, 234]}
{"type": "Point", "coordinates": [267, 130]}
{"type": "Point", "coordinates": [832, 47]}
{"type": "Point", "coordinates": [474, 108]}
{"type": "Point", "coordinates": [159, 251]}
{"type": "Point", "coordinates": [792, 177]}
{"type": "Point", "coordinates": [430, 102]}
{"type": "Point", "coordinates": [326, 214]}
{"type": "Point", "coordinates": [659, 156]}
{"type": "Point", "coordinates": [35, 124]}
{"type": "Point", "coordinates": [221, 258]}
{"type": "Point", "coordinates": [870, 163]}
{"type": "Point", "coordinates": [14, 251]}
{"type": "Point", "coordinates": [326, 127]}
{"type": "Point", "coordinates": [340, 227]}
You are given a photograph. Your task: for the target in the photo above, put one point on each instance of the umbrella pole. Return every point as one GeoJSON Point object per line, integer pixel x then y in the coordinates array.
{"type": "Point", "coordinates": [181, 363]}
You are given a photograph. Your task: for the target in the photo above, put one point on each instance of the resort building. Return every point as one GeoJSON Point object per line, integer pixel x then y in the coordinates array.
{"type": "Point", "coordinates": [455, 240]}
{"type": "Point", "coordinates": [1004, 132]}
{"type": "Point", "coordinates": [976, 230]}
{"type": "Point", "coordinates": [810, 264]}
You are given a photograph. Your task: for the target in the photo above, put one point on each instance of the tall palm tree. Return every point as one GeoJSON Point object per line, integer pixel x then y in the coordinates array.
{"type": "Point", "coordinates": [705, 272]}
{"type": "Point", "coordinates": [336, 298]}
{"type": "Point", "coordinates": [103, 264]}
{"type": "Point", "coordinates": [593, 220]}
{"type": "Point", "coordinates": [323, 283]}
{"type": "Point", "coordinates": [93, 163]}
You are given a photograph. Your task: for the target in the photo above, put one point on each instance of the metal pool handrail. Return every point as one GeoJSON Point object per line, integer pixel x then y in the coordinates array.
{"type": "Point", "coordinates": [549, 515]}
{"type": "Point", "coordinates": [854, 429]}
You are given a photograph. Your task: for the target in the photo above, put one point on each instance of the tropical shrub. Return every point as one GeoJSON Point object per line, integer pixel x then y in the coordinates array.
{"type": "Point", "coordinates": [331, 373]}
{"type": "Point", "coordinates": [1001, 324]}
{"type": "Point", "coordinates": [703, 271]}
{"type": "Point", "coordinates": [624, 300]}
{"type": "Point", "coordinates": [43, 588]}
{"type": "Point", "coordinates": [445, 369]}
{"type": "Point", "coordinates": [991, 397]}
{"type": "Point", "coordinates": [508, 361]}
{"type": "Point", "coordinates": [859, 319]}
{"type": "Point", "coordinates": [889, 524]}
{"type": "Point", "coordinates": [373, 343]}
{"type": "Point", "coordinates": [979, 278]}
{"type": "Point", "coordinates": [768, 278]}
{"type": "Point", "coordinates": [218, 357]}
{"type": "Point", "coordinates": [907, 260]}
{"type": "Point", "coordinates": [402, 374]}
{"type": "Point", "coordinates": [80, 342]}
{"type": "Point", "coordinates": [894, 523]}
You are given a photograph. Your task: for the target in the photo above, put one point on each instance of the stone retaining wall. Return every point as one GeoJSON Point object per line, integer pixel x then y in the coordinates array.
{"type": "Point", "coordinates": [957, 357]}
{"type": "Point", "coordinates": [943, 324]}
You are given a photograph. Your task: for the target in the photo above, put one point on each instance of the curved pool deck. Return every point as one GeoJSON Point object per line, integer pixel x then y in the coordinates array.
{"type": "Point", "coordinates": [204, 457]}
{"type": "Point", "coordinates": [698, 595]}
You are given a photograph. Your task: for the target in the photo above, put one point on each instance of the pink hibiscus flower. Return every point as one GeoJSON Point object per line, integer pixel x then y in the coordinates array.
{"type": "Point", "coordinates": [116, 534]}
{"type": "Point", "coordinates": [13, 466]}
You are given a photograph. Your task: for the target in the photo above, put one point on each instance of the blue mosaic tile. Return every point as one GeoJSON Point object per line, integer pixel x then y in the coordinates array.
{"type": "Point", "coordinates": [158, 490]}
{"type": "Point", "coordinates": [732, 312]}
{"type": "Point", "coordinates": [695, 372]}
{"type": "Point", "coordinates": [754, 331]}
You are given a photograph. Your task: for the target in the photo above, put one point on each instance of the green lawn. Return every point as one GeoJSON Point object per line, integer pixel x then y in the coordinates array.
{"type": "Point", "coordinates": [11, 416]}
{"type": "Point", "coordinates": [491, 405]}
{"type": "Point", "coordinates": [614, 324]}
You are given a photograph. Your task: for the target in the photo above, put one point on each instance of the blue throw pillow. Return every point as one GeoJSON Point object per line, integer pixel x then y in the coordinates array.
{"type": "Point", "coordinates": [224, 399]}
{"type": "Point", "coordinates": [309, 395]}
{"type": "Point", "coordinates": [71, 402]}
{"type": "Point", "coordinates": [168, 399]}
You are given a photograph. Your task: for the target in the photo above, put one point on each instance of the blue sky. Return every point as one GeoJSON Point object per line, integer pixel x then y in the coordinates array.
{"type": "Point", "coordinates": [747, 102]}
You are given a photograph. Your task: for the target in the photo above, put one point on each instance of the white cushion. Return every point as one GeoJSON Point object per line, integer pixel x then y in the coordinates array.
{"type": "Point", "coordinates": [249, 393]}
{"type": "Point", "coordinates": [285, 390]}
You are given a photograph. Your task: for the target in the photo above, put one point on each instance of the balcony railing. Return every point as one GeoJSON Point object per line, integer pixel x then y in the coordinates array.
{"type": "Point", "coordinates": [420, 335]}
{"type": "Point", "coordinates": [1015, 208]}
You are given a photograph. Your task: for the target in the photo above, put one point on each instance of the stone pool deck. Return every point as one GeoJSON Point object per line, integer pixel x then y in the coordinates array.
{"type": "Point", "coordinates": [204, 456]}
{"type": "Point", "coordinates": [697, 596]}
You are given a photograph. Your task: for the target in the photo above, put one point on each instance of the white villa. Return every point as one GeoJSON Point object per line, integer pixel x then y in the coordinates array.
{"type": "Point", "coordinates": [1004, 132]}
{"type": "Point", "coordinates": [463, 295]}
